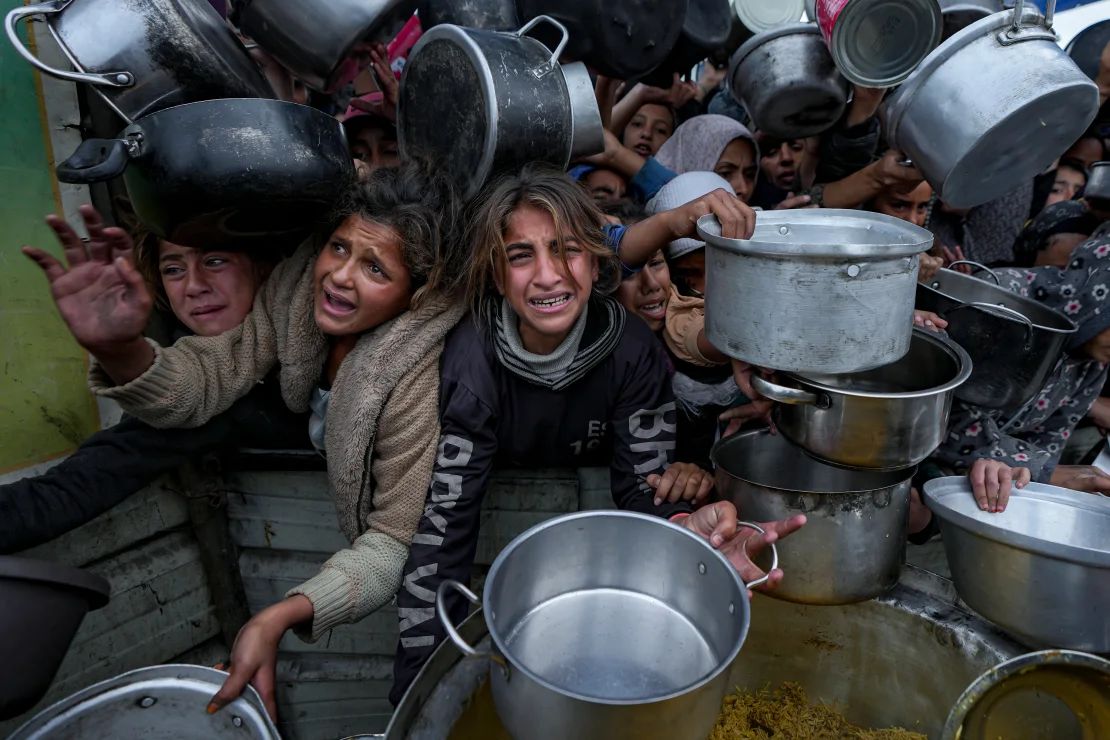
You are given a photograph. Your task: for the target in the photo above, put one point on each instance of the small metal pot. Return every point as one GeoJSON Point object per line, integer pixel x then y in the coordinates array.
{"type": "Point", "coordinates": [511, 103]}
{"type": "Point", "coordinates": [324, 44]}
{"type": "Point", "coordinates": [1013, 342]}
{"type": "Point", "coordinates": [854, 541]}
{"type": "Point", "coordinates": [788, 83]}
{"type": "Point", "coordinates": [145, 56]}
{"type": "Point", "coordinates": [889, 418]}
{"type": "Point", "coordinates": [814, 290]}
{"type": "Point", "coordinates": [1039, 570]}
{"type": "Point", "coordinates": [878, 43]}
{"type": "Point", "coordinates": [585, 612]}
{"type": "Point", "coordinates": [1098, 182]}
{"type": "Point", "coordinates": [225, 172]}
{"type": "Point", "coordinates": [1002, 85]}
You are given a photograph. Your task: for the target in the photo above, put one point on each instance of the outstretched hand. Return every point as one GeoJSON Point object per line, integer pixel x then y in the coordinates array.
{"type": "Point", "coordinates": [719, 524]}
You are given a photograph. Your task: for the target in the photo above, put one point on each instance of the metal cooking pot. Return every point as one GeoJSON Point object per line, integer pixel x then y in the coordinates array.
{"type": "Point", "coordinates": [1098, 181]}
{"type": "Point", "coordinates": [1039, 570]}
{"type": "Point", "coordinates": [145, 56]}
{"type": "Point", "coordinates": [878, 43]}
{"type": "Point", "coordinates": [324, 44]}
{"type": "Point", "coordinates": [1086, 48]}
{"type": "Point", "coordinates": [225, 172]}
{"type": "Point", "coordinates": [43, 605]}
{"type": "Point", "coordinates": [511, 103]}
{"type": "Point", "coordinates": [854, 541]}
{"type": "Point", "coordinates": [788, 83]}
{"type": "Point", "coordinates": [813, 290]}
{"type": "Point", "coordinates": [492, 15]}
{"type": "Point", "coordinates": [163, 702]}
{"type": "Point", "coordinates": [1061, 693]}
{"type": "Point", "coordinates": [705, 29]}
{"type": "Point", "coordinates": [901, 659]}
{"type": "Point", "coordinates": [1013, 342]}
{"type": "Point", "coordinates": [587, 612]}
{"type": "Point", "coordinates": [959, 14]}
{"type": "Point", "coordinates": [625, 39]}
{"type": "Point", "coordinates": [1000, 86]}
{"type": "Point", "coordinates": [889, 418]}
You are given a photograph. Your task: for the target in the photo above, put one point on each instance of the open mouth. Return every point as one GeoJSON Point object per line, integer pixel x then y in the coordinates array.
{"type": "Point", "coordinates": [642, 149]}
{"type": "Point", "coordinates": [653, 310]}
{"type": "Point", "coordinates": [550, 304]}
{"type": "Point", "coordinates": [337, 305]}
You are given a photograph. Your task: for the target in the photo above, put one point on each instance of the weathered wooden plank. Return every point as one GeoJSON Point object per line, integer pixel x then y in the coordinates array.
{"type": "Point", "coordinates": [312, 667]}
{"type": "Point", "coordinates": [498, 528]}
{"type": "Point", "coordinates": [149, 512]}
{"type": "Point", "coordinates": [347, 639]}
{"type": "Point", "coordinates": [308, 525]}
{"type": "Point", "coordinates": [532, 490]}
{"type": "Point", "coordinates": [593, 489]}
{"type": "Point", "coordinates": [308, 485]}
{"type": "Point", "coordinates": [330, 728]}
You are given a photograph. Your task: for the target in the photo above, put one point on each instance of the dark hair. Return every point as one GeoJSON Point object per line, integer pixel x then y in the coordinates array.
{"type": "Point", "coordinates": [540, 186]}
{"type": "Point", "coordinates": [1072, 164]}
{"type": "Point", "coordinates": [628, 211]}
{"type": "Point", "coordinates": [420, 203]}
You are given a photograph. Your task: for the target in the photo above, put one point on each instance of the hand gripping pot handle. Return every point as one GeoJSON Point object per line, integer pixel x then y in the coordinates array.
{"type": "Point", "coordinates": [453, 634]}
{"type": "Point", "coordinates": [774, 556]}
{"type": "Point", "coordinates": [11, 25]}
{"type": "Point", "coordinates": [552, 63]}
{"type": "Point", "coordinates": [782, 394]}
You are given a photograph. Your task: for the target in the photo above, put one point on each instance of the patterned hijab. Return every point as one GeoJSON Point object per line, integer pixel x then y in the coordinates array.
{"type": "Point", "coordinates": [697, 144]}
{"type": "Point", "coordinates": [1065, 217]}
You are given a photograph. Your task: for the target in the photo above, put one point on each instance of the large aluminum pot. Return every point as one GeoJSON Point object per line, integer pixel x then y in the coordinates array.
{"type": "Point", "coordinates": [750, 17]}
{"type": "Point", "coordinates": [511, 102]}
{"type": "Point", "coordinates": [163, 702]}
{"type": "Point", "coordinates": [878, 43]}
{"type": "Point", "coordinates": [225, 172]}
{"type": "Point", "coordinates": [899, 660]}
{"type": "Point", "coordinates": [1039, 570]}
{"type": "Point", "coordinates": [1000, 86]}
{"type": "Point", "coordinates": [325, 44]}
{"type": "Point", "coordinates": [705, 29]}
{"type": "Point", "coordinates": [1013, 342]}
{"type": "Point", "coordinates": [959, 14]}
{"type": "Point", "coordinates": [145, 56]}
{"type": "Point", "coordinates": [889, 418]}
{"type": "Point", "coordinates": [814, 290]}
{"type": "Point", "coordinates": [788, 83]}
{"type": "Point", "coordinates": [587, 612]}
{"type": "Point", "coordinates": [854, 541]}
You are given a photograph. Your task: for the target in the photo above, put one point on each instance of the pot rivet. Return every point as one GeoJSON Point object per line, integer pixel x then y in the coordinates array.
{"type": "Point", "coordinates": [853, 270]}
{"type": "Point", "coordinates": [731, 608]}
{"type": "Point", "coordinates": [701, 568]}
{"type": "Point", "coordinates": [147, 702]}
{"type": "Point", "coordinates": [122, 79]}
{"type": "Point", "coordinates": [237, 721]}
{"type": "Point", "coordinates": [784, 230]}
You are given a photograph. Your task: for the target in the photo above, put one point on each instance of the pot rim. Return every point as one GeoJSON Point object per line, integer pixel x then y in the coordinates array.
{"type": "Point", "coordinates": [722, 664]}
{"type": "Point", "coordinates": [917, 239]}
{"type": "Point", "coordinates": [958, 353]}
{"type": "Point", "coordinates": [1013, 296]}
{"type": "Point", "coordinates": [904, 474]}
{"type": "Point", "coordinates": [763, 37]}
{"type": "Point", "coordinates": [938, 490]}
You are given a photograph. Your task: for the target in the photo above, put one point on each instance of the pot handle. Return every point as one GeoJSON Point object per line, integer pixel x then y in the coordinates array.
{"type": "Point", "coordinates": [552, 63]}
{"type": "Point", "coordinates": [782, 394]}
{"type": "Point", "coordinates": [441, 612]}
{"type": "Point", "coordinates": [981, 266]}
{"type": "Point", "coordinates": [1015, 33]}
{"type": "Point", "coordinates": [1006, 311]}
{"type": "Point", "coordinates": [774, 556]}
{"type": "Point", "coordinates": [95, 160]}
{"type": "Point", "coordinates": [11, 25]}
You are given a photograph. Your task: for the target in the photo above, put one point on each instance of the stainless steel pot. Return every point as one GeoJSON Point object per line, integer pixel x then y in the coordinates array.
{"type": "Point", "coordinates": [813, 290]}
{"type": "Point", "coordinates": [889, 418]}
{"type": "Point", "coordinates": [1098, 181]}
{"type": "Point", "coordinates": [1000, 86]}
{"type": "Point", "coordinates": [145, 56]}
{"type": "Point", "coordinates": [959, 14]}
{"type": "Point", "coordinates": [1086, 47]}
{"type": "Point", "coordinates": [878, 43]}
{"type": "Point", "coordinates": [1061, 693]}
{"type": "Point", "coordinates": [325, 44]}
{"type": "Point", "coordinates": [788, 83]}
{"type": "Point", "coordinates": [511, 102]}
{"type": "Point", "coordinates": [899, 660]}
{"type": "Point", "coordinates": [1040, 569]}
{"type": "Point", "coordinates": [163, 702]}
{"type": "Point", "coordinates": [1013, 342]}
{"type": "Point", "coordinates": [854, 541]}
{"type": "Point", "coordinates": [608, 624]}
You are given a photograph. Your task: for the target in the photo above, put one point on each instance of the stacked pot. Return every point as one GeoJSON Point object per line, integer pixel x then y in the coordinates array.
{"type": "Point", "coordinates": [825, 297]}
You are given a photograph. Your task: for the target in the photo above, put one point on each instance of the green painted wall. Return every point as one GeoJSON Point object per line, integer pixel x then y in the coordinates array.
{"type": "Point", "coordinates": [45, 407]}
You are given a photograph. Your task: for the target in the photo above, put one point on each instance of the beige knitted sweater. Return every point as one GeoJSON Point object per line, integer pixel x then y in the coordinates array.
{"type": "Point", "coordinates": [382, 425]}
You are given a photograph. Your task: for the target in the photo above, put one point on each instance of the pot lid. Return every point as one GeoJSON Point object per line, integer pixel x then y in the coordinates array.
{"type": "Point", "coordinates": [165, 702]}
{"type": "Point", "coordinates": [760, 15]}
{"type": "Point", "coordinates": [761, 38]}
{"type": "Point", "coordinates": [1040, 519]}
{"type": "Point", "coordinates": [1061, 693]}
{"type": "Point", "coordinates": [829, 233]}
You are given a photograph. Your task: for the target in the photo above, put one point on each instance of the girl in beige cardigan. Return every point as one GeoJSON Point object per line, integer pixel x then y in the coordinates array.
{"type": "Point", "coordinates": [363, 317]}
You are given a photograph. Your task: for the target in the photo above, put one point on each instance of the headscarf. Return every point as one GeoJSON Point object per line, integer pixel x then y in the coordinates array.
{"type": "Point", "coordinates": [680, 191]}
{"type": "Point", "coordinates": [1065, 217]}
{"type": "Point", "coordinates": [697, 144]}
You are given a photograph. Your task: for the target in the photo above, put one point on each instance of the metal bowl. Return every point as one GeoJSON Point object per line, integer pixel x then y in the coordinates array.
{"type": "Point", "coordinates": [1040, 569]}
{"type": "Point", "coordinates": [1061, 693]}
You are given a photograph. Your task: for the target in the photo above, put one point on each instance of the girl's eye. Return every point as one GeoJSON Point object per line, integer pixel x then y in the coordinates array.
{"type": "Point", "coordinates": [519, 257]}
{"type": "Point", "coordinates": [215, 261]}
{"type": "Point", "coordinates": [173, 271]}
{"type": "Point", "coordinates": [338, 248]}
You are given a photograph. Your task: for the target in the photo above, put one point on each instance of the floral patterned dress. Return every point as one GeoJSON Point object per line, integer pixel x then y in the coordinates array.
{"type": "Point", "coordinates": [1036, 437]}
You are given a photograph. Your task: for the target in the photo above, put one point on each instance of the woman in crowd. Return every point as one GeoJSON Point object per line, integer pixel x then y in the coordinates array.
{"type": "Point", "coordinates": [718, 144]}
{"type": "Point", "coordinates": [547, 370]}
{"type": "Point", "coordinates": [1050, 238]}
{"type": "Point", "coordinates": [356, 325]}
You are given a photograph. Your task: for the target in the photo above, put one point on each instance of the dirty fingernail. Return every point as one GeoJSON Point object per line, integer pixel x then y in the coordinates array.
{"type": "Point", "coordinates": [658, 500]}
{"type": "Point", "coordinates": [212, 708]}
{"type": "Point", "coordinates": [716, 540]}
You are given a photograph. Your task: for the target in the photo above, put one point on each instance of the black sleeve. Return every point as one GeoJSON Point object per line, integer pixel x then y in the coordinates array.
{"type": "Point", "coordinates": [847, 150]}
{"type": "Point", "coordinates": [644, 423]}
{"type": "Point", "coordinates": [447, 536]}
